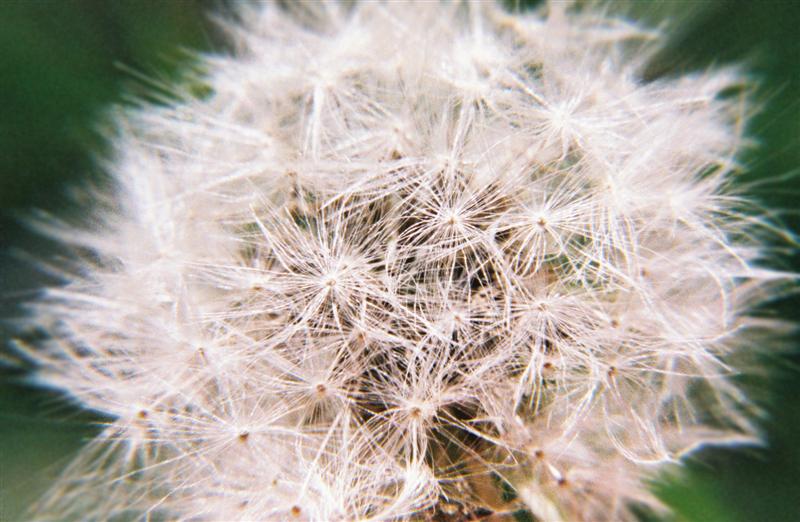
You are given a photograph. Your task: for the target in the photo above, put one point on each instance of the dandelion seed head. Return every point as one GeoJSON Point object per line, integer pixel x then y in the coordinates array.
{"type": "Point", "coordinates": [410, 260]}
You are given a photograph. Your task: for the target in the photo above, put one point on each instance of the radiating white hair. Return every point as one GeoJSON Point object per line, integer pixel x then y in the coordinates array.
{"type": "Point", "coordinates": [403, 260]}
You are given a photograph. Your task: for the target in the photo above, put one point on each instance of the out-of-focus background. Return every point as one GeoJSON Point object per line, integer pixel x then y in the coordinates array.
{"type": "Point", "coordinates": [63, 63]}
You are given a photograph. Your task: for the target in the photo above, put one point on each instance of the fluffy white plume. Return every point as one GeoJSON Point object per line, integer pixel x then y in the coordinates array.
{"type": "Point", "coordinates": [409, 261]}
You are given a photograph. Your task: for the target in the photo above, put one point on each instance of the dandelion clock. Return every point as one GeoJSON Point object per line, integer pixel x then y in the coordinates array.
{"type": "Point", "coordinates": [394, 261]}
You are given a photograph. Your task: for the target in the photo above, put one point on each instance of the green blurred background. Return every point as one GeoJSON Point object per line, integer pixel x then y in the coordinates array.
{"type": "Point", "coordinates": [64, 62]}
